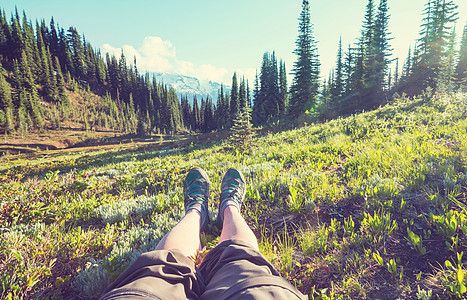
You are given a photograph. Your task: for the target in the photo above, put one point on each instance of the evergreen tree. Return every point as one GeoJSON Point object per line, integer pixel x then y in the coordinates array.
{"type": "Point", "coordinates": [29, 46]}
{"type": "Point", "coordinates": [461, 68]}
{"type": "Point", "coordinates": [6, 104]}
{"type": "Point", "coordinates": [396, 73]}
{"type": "Point", "coordinates": [195, 118]}
{"type": "Point", "coordinates": [348, 69]}
{"type": "Point", "coordinates": [431, 54]}
{"type": "Point", "coordinates": [4, 35]}
{"type": "Point", "coordinates": [28, 87]}
{"type": "Point", "coordinates": [242, 93]}
{"type": "Point", "coordinates": [209, 123]}
{"type": "Point", "coordinates": [16, 40]}
{"type": "Point", "coordinates": [448, 71]}
{"type": "Point", "coordinates": [376, 54]}
{"type": "Point", "coordinates": [63, 96]}
{"type": "Point", "coordinates": [220, 109]}
{"type": "Point", "coordinates": [234, 99]}
{"type": "Point", "coordinates": [78, 55]}
{"type": "Point", "coordinates": [283, 92]}
{"type": "Point", "coordinates": [241, 133]}
{"type": "Point", "coordinates": [202, 109]}
{"type": "Point", "coordinates": [304, 89]}
{"type": "Point", "coordinates": [337, 88]}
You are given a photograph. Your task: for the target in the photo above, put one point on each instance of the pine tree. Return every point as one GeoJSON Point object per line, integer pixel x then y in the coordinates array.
{"type": "Point", "coordinates": [348, 69]}
{"type": "Point", "coordinates": [6, 104]}
{"type": "Point", "coordinates": [31, 96]}
{"type": "Point", "coordinates": [377, 51]}
{"type": "Point", "coordinates": [431, 52]}
{"type": "Point", "coordinates": [396, 74]}
{"type": "Point", "coordinates": [283, 92]}
{"type": "Point", "coordinates": [29, 46]}
{"type": "Point", "coordinates": [242, 93]}
{"type": "Point", "coordinates": [446, 80]}
{"type": "Point", "coordinates": [78, 55]}
{"type": "Point", "coordinates": [383, 49]}
{"type": "Point", "coordinates": [220, 109]}
{"type": "Point", "coordinates": [62, 95]}
{"type": "Point", "coordinates": [234, 99]}
{"type": "Point", "coordinates": [241, 132]}
{"type": "Point", "coordinates": [461, 68]}
{"type": "Point", "coordinates": [304, 89]}
{"type": "Point", "coordinates": [16, 41]}
{"type": "Point", "coordinates": [337, 88]}
{"type": "Point", "coordinates": [195, 125]}
{"type": "Point", "coordinates": [4, 35]}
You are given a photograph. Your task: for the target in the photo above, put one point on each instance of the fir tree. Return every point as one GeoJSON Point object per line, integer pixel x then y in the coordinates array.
{"type": "Point", "coordinates": [337, 88]}
{"type": "Point", "coordinates": [195, 125]}
{"type": "Point", "coordinates": [30, 92]}
{"type": "Point", "coordinates": [6, 104]}
{"type": "Point", "coordinates": [234, 99]}
{"type": "Point", "coordinates": [461, 67]}
{"type": "Point", "coordinates": [304, 89]}
{"type": "Point", "coordinates": [283, 91]}
{"type": "Point", "coordinates": [439, 15]}
{"type": "Point", "coordinates": [241, 133]}
{"type": "Point", "coordinates": [242, 93]}
{"type": "Point", "coordinates": [396, 73]}
{"type": "Point", "coordinates": [348, 69]}
{"type": "Point", "coordinates": [78, 54]}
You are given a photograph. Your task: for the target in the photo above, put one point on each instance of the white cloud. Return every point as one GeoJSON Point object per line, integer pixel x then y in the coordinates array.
{"type": "Point", "coordinates": [157, 55]}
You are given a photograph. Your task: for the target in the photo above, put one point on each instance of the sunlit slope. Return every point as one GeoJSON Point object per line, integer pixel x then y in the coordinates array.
{"type": "Point", "coordinates": [369, 206]}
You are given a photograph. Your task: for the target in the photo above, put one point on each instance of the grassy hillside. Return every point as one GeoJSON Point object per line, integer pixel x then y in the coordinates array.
{"type": "Point", "coordinates": [370, 206]}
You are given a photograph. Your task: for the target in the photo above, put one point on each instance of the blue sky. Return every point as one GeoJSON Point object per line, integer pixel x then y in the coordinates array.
{"type": "Point", "coordinates": [212, 39]}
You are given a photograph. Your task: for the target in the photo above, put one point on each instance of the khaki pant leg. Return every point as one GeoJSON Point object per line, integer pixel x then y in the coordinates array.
{"type": "Point", "coordinates": [234, 270]}
{"type": "Point", "coordinates": [161, 274]}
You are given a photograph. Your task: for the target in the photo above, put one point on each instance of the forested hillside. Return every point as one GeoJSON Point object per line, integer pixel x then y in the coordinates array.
{"type": "Point", "coordinates": [43, 67]}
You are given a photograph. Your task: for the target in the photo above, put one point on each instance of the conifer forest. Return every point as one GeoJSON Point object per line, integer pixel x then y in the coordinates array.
{"type": "Point", "coordinates": [356, 178]}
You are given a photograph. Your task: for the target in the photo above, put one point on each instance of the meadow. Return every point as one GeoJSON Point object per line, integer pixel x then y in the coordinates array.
{"type": "Point", "coordinates": [364, 207]}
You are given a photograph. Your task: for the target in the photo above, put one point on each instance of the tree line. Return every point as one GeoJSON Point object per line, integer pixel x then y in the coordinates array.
{"type": "Point", "coordinates": [42, 67]}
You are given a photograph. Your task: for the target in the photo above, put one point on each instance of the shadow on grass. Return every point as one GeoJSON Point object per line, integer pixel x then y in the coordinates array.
{"type": "Point", "coordinates": [139, 149]}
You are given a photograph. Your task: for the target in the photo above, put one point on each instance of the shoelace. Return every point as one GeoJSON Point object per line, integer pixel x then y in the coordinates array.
{"type": "Point", "coordinates": [228, 195]}
{"type": "Point", "coordinates": [194, 193]}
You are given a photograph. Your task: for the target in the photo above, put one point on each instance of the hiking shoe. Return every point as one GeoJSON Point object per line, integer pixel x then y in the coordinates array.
{"type": "Point", "coordinates": [233, 189]}
{"type": "Point", "coordinates": [196, 194]}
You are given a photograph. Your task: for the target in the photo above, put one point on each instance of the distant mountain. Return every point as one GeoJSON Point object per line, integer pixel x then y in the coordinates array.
{"type": "Point", "coordinates": [191, 86]}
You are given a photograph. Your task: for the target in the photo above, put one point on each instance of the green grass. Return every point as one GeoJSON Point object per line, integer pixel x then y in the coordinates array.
{"type": "Point", "coordinates": [368, 206]}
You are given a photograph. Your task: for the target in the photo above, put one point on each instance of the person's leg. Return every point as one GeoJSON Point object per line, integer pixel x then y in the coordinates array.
{"type": "Point", "coordinates": [235, 269]}
{"type": "Point", "coordinates": [184, 236]}
{"type": "Point", "coordinates": [168, 272]}
{"type": "Point", "coordinates": [235, 228]}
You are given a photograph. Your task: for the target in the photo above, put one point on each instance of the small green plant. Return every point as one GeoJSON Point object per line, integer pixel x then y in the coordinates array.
{"type": "Point", "coordinates": [422, 294]}
{"type": "Point", "coordinates": [349, 226]}
{"type": "Point", "coordinates": [318, 241]}
{"type": "Point", "coordinates": [391, 266]}
{"type": "Point", "coordinates": [453, 278]}
{"type": "Point", "coordinates": [295, 199]}
{"type": "Point", "coordinates": [447, 224]}
{"type": "Point", "coordinates": [416, 242]}
{"type": "Point", "coordinates": [453, 244]}
{"type": "Point", "coordinates": [377, 257]}
{"type": "Point", "coordinates": [286, 250]}
{"type": "Point", "coordinates": [378, 226]}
